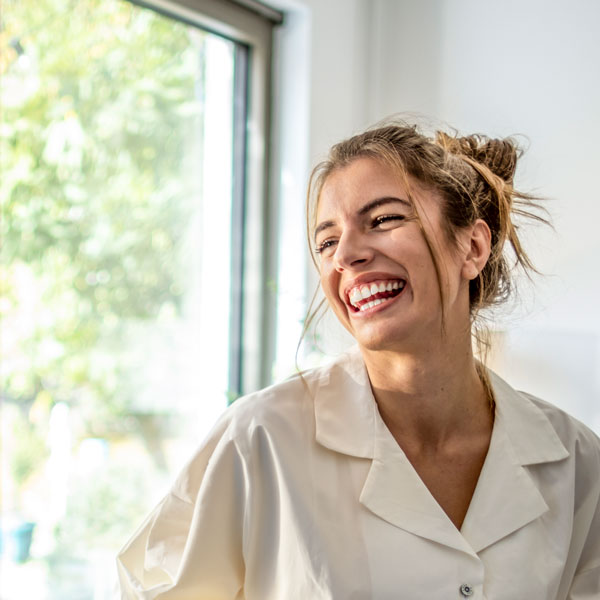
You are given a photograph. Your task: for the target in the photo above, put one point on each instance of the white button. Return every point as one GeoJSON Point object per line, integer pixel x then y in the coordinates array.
{"type": "Point", "coordinates": [466, 590]}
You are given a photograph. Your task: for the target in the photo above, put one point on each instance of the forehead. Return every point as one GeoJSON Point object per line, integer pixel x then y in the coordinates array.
{"type": "Point", "coordinates": [364, 179]}
{"type": "Point", "coordinates": [348, 189]}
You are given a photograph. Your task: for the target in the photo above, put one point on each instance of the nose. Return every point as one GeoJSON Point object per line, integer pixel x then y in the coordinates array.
{"type": "Point", "coordinates": [351, 252]}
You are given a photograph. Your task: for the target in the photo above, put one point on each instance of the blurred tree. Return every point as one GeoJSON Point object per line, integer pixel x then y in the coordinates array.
{"type": "Point", "coordinates": [99, 99]}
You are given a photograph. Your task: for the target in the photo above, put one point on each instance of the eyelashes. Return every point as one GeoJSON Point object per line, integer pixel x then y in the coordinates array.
{"type": "Point", "coordinates": [375, 223]}
{"type": "Point", "coordinates": [324, 245]}
{"type": "Point", "coordinates": [386, 218]}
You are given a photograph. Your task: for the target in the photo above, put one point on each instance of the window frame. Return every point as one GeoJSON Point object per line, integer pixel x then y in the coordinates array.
{"type": "Point", "coordinates": [254, 215]}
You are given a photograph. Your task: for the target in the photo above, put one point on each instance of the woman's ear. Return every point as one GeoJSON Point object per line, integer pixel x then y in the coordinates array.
{"type": "Point", "coordinates": [479, 248]}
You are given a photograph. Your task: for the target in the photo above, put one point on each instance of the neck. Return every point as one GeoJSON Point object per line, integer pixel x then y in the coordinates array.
{"type": "Point", "coordinates": [431, 398]}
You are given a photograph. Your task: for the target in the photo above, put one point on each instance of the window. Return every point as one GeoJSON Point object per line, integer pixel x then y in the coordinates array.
{"type": "Point", "coordinates": [134, 154]}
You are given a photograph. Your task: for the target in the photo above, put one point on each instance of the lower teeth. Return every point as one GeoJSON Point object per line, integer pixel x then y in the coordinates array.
{"type": "Point", "coordinates": [373, 303]}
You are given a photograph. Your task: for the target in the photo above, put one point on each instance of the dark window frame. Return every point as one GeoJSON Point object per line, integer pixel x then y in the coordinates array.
{"type": "Point", "coordinates": [254, 216]}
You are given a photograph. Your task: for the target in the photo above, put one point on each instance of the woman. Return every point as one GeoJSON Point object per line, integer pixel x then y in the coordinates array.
{"type": "Point", "coordinates": [404, 469]}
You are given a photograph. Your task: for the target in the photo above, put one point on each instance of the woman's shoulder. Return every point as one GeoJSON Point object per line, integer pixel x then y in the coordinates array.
{"type": "Point", "coordinates": [574, 434]}
{"type": "Point", "coordinates": [285, 408]}
{"type": "Point", "coordinates": [275, 420]}
{"type": "Point", "coordinates": [540, 429]}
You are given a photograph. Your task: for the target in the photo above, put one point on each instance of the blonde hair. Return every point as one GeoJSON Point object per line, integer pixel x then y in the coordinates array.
{"type": "Point", "coordinates": [474, 177]}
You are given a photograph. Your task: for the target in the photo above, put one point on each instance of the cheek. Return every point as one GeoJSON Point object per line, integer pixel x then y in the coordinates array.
{"type": "Point", "coordinates": [410, 248]}
{"type": "Point", "coordinates": [329, 279]}
{"type": "Point", "coordinates": [330, 282]}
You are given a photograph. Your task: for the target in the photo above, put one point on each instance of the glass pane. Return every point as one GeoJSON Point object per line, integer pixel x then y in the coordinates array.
{"type": "Point", "coordinates": [116, 150]}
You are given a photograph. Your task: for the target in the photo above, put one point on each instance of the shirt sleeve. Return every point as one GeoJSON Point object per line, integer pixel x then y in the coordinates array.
{"type": "Point", "coordinates": [586, 581]}
{"type": "Point", "coordinates": [190, 546]}
{"type": "Point", "coordinates": [586, 585]}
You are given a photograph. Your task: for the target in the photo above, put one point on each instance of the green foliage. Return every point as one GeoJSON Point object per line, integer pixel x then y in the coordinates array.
{"type": "Point", "coordinates": [28, 452]}
{"type": "Point", "coordinates": [99, 513]}
{"type": "Point", "coordinates": [98, 101]}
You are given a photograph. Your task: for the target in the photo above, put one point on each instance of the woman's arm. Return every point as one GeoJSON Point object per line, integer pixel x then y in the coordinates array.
{"type": "Point", "coordinates": [586, 581]}
{"type": "Point", "coordinates": [191, 544]}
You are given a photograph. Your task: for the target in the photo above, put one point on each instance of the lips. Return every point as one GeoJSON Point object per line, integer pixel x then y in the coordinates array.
{"type": "Point", "coordinates": [366, 295]}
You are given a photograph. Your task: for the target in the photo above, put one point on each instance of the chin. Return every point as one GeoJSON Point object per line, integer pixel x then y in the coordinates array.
{"type": "Point", "coordinates": [380, 341]}
{"type": "Point", "coordinates": [399, 339]}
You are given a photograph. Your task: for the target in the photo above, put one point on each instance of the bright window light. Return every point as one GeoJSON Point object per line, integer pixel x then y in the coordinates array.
{"type": "Point", "coordinates": [116, 142]}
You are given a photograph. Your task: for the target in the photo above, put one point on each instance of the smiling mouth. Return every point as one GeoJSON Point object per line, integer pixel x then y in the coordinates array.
{"type": "Point", "coordinates": [363, 297]}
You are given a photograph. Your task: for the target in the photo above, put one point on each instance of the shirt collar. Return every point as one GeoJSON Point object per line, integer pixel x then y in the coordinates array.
{"type": "Point", "coordinates": [345, 409]}
{"type": "Point", "coordinates": [346, 415]}
{"type": "Point", "coordinates": [506, 497]}
{"type": "Point", "coordinates": [531, 434]}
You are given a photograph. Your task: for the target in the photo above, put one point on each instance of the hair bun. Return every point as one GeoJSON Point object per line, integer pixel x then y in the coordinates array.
{"type": "Point", "coordinates": [499, 156]}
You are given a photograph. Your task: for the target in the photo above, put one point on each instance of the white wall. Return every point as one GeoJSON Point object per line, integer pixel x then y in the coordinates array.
{"type": "Point", "coordinates": [502, 68]}
{"type": "Point", "coordinates": [520, 67]}
{"type": "Point", "coordinates": [514, 67]}
{"type": "Point", "coordinates": [320, 97]}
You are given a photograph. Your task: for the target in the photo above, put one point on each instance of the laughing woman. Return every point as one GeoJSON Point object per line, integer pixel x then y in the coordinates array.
{"type": "Point", "coordinates": [404, 469]}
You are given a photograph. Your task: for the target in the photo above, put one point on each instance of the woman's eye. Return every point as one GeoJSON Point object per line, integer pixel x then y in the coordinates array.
{"type": "Point", "coordinates": [382, 219]}
{"type": "Point", "coordinates": [324, 246]}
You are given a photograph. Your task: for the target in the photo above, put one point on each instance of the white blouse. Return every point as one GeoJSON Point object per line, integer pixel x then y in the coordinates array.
{"type": "Point", "coordinates": [301, 492]}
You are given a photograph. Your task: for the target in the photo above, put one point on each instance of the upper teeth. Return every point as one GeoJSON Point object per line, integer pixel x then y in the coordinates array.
{"type": "Point", "coordinates": [363, 292]}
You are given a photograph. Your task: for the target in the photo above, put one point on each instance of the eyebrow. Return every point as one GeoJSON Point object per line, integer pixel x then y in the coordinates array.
{"type": "Point", "coordinates": [368, 207]}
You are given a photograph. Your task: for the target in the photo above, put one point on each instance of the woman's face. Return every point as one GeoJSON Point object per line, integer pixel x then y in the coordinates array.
{"type": "Point", "coordinates": [376, 268]}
